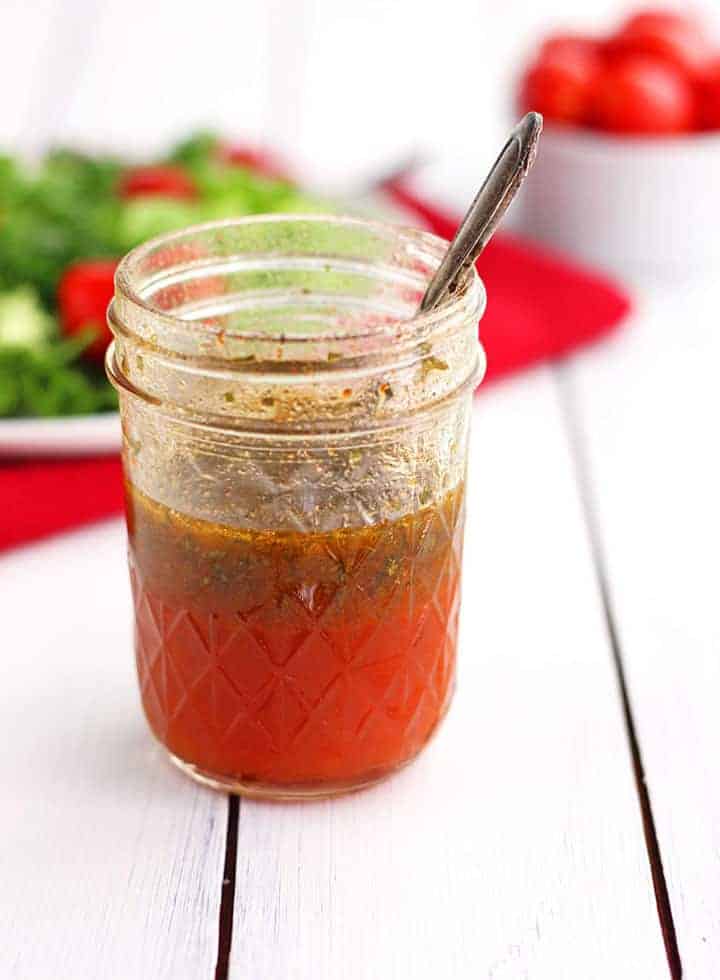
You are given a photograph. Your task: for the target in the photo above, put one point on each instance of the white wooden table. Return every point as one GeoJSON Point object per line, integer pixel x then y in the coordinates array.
{"type": "Point", "coordinates": [564, 824]}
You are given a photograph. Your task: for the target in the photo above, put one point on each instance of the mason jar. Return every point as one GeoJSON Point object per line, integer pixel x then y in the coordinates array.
{"type": "Point", "coordinates": [294, 446]}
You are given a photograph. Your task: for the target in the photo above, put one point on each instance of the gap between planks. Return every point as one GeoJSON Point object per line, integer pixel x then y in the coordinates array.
{"type": "Point", "coordinates": [227, 894]}
{"type": "Point", "coordinates": [583, 475]}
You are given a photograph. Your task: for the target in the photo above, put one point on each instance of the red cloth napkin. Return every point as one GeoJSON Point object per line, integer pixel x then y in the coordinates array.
{"type": "Point", "coordinates": [539, 307]}
{"type": "Point", "coordinates": [38, 498]}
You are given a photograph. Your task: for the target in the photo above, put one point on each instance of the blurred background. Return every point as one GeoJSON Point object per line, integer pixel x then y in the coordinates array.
{"type": "Point", "coordinates": [343, 89]}
{"type": "Point", "coordinates": [309, 104]}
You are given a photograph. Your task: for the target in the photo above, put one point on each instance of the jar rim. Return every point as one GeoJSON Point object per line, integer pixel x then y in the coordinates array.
{"type": "Point", "coordinates": [469, 298]}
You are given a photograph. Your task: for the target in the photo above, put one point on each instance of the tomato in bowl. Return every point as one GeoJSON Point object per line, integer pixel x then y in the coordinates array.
{"type": "Point", "coordinates": [626, 175]}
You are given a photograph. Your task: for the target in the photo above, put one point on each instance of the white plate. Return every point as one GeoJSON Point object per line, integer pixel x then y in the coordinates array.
{"type": "Point", "coordinates": [82, 436]}
{"type": "Point", "coordinates": [90, 434]}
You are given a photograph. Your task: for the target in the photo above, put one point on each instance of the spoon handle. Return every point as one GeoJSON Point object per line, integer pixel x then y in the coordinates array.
{"type": "Point", "coordinates": [486, 211]}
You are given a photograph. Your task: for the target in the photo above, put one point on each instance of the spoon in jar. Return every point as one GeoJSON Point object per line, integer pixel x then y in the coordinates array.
{"type": "Point", "coordinates": [486, 211]}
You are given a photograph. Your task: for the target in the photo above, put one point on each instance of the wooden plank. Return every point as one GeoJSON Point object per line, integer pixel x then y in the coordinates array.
{"type": "Point", "coordinates": [514, 848]}
{"type": "Point", "coordinates": [648, 411]}
{"type": "Point", "coordinates": [111, 862]}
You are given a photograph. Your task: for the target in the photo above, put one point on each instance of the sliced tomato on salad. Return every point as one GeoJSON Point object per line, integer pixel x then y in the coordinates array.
{"type": "Point", "coordinates": [254, 158]}
{"type": "Point", "coordinates": [83, 296]}
{"type": "Point", "coordinates": [160, 181]}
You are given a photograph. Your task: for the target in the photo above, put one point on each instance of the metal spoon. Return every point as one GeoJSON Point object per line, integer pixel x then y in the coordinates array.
{"type": "Point", "coordinates": [486, 211]}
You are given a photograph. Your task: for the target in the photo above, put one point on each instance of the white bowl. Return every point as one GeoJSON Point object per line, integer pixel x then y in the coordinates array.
{"type": "Point", "coordinates": [627, 205]}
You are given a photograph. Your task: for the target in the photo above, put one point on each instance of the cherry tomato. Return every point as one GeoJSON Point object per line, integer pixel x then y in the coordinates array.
{"type": "Point", "coordinates": [163, 181]}
{"type": "Point", "coordinates": [674, 38]}
{"type": "Point", "coordinates": [574, 45]}
{"type": "Point", "coordinates": [83, 295]}
{"type": "Point", "coordinates": [708, 97]}
{"type": "Point", "coordinates": [560, 83]}
{"type": "Point", "coordinates": [658, 19]}
{"type": "Point", "coordinates": [643, 96]}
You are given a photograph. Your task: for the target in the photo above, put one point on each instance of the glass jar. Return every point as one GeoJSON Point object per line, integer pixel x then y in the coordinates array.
{"type": "Point", "coordinates": [294, 449]}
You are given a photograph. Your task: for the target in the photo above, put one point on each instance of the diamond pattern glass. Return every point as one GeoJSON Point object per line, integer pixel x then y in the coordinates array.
{"type": "Point", "coordinates": [298, 661]}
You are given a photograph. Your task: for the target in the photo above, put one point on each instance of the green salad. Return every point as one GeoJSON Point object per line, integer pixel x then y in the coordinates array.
{"type": "Point", "coordinates": [63, 226]}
